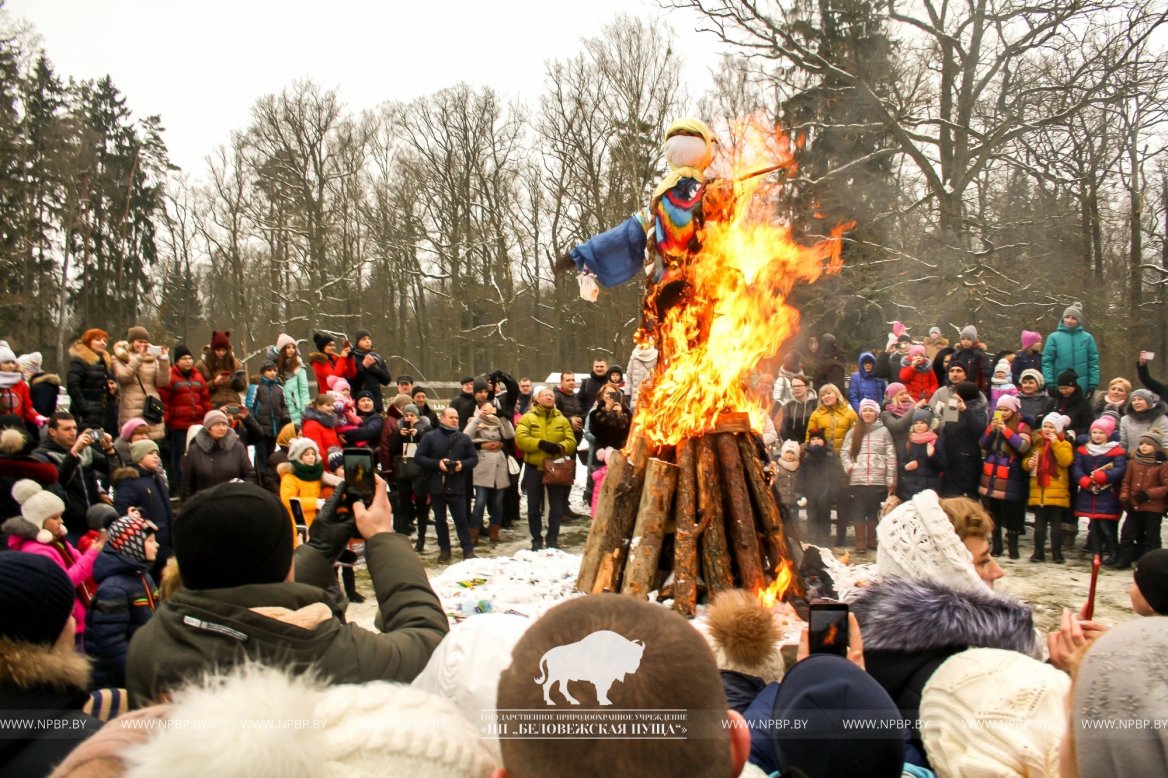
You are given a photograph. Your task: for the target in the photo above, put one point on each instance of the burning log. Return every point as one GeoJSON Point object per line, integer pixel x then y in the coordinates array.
{"type": "Point", "coordinates": [715, 556]}
{"type": "Point", "coordinates": [743, 538]}
{"type": "Point", "coordinates": [616, 514]}
{"type": "Point", "coordinates": [774, 532]}
{"type": "Point", "coordinates": [685, 542]}
{"type": "Point", "coordinates": [649, 532]}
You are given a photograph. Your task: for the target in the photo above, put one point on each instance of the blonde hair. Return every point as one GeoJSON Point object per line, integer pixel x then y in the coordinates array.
{"type": "Point", "coordinates": [1126, 384]}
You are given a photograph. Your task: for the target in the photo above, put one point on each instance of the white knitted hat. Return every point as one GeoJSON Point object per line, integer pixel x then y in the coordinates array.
{"type": "Point", "coordinates": [918, 542]}
{"type": "Point", "coordinates": [23, 489]}
{"type": "Point", "coordinates": [39, 507]}
{"type": "Point", "coordinates": [466, 666]}
{"type": "Point", "coordinates": [298, 446]}
{"type": "Point", "coordinates": [284, 340]}
{"type": "Point", "coordinates": [990, 712]}
{"type": "Point", "coordinates": [345, 731]}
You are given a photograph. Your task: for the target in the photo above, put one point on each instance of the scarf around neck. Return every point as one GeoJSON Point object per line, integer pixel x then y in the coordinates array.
{"type": "Point", "coordinates": [1047, 467]}
{"type": "Point", "coordinates": [900, 409]}
{"type": "Point", "coordinates": [308, 472]}
{"type": "Point", "coordinates": [926, 437]}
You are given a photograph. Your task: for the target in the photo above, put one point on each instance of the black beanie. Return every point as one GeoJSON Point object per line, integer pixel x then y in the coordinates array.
{"type": "Point", "coordinates": [232, 535]}
{"type": "Point", "coordinates": [180, 351]}
{"type": "Point", "coordinates": [360, 334]}
{"type": "Point", "coordinates": [1152, 579]}
{"type": "Point", "coordinates": [321, 340]}
{"type": "Point", "coordinates": [36, 598]}
{"type": "Point", "coordinates": [966, 390]}
{"type": "Point", "coordinates": [1068, 378]}
{"type": "Point", "coordinates": [481, 385]}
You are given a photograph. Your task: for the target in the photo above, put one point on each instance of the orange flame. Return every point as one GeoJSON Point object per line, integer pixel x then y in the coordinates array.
{"type": "Point", "coordinates": [736, 315]}
{"type": "Point", "coordinates": [774, 593]}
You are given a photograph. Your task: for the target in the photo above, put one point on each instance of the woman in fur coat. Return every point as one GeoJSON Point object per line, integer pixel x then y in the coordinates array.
{"type": "Point", "coordinates": [90, 382]}
{"type": "Point", "coordinates": [935, 598]}
{"type": "Point", "coordinates": [139, 374]}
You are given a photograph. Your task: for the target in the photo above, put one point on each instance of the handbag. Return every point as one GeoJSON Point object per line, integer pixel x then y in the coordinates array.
{"type": "Point", "coordinates": [559, 472]}
{"type": "Point", "coordinates": [512, 465]}
{"type": "Point", "coordinates": [408, 469]}
{"type": "Point", "coordinates": [153, 410]}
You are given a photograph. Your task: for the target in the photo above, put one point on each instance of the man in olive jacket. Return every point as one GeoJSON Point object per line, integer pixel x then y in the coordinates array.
{"type": "Point", "coordinates": [241, 602]}
{"type": "Point", "coordinates": [542, 433]}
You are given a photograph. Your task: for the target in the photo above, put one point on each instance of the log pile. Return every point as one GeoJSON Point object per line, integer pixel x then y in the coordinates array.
{"type": "Point", "coordinates": [701, 511]}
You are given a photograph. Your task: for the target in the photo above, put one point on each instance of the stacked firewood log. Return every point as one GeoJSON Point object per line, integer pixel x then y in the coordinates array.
{"type": "Point", "coordinates": [701, 510]}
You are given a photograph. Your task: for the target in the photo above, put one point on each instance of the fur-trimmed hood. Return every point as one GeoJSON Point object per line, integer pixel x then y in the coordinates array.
{"type": "Point", "coordinates": [123, 353]}
{"type": "Point", "coordinates": [19, 527]}
{"type": "Point", "coordinates": [29, 666]}
{"type": "Point", "coordinates": [87, 355]}
{"type": "Point", "coordinates": [126, 473]}
{"type": "Point", "coordinates": [918, 616]}
{"type": "Point", "coordinates": [45, 378]}
{"type": "Point", "coordinates": [317, 358]}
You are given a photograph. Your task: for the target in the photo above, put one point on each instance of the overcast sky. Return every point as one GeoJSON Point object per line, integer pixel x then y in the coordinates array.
{"type": "Point", "coordinates": [201, 65]}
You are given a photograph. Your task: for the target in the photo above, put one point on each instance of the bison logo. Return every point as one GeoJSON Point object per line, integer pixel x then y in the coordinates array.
{"type": "Point", "coordinates": [601, 659]}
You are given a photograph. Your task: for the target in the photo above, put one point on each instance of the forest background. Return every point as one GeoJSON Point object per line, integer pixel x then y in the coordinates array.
{"type": "Point", "coordinates": [1001, 158]}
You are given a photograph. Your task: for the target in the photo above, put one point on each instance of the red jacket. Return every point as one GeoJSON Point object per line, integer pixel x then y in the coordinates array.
{"type": "Point", "coordinates": [187, 399]}
{"type": "Point", "coordinates": [920, 385]}
{"type": "Point", "coordinates": [325, 437]}
{"type": "Point", "coordinates": [17, 401]}
{"type": "Point", "coordinates": [324, 366]}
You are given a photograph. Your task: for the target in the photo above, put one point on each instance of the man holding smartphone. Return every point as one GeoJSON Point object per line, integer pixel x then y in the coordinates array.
{"type": "Point", "coordinates": [247, 596]}
{"type": "Point", "coordinates": [78, 456]}
{"type": "Point", "coordinates": [448, 456]}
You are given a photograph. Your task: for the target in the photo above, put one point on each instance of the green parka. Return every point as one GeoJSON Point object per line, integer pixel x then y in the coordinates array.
{"type": "Point", "coordinates": [293, 625]}
{"type": "Point", "coordinates": [548, 424]}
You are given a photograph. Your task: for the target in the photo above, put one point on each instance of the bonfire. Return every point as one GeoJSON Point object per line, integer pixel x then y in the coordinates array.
{"type": "Point", "coordinates": [688, 494]}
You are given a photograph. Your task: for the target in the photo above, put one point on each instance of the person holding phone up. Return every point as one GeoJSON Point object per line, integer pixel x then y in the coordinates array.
{"type": "Point", "coordinates": [140, 369]}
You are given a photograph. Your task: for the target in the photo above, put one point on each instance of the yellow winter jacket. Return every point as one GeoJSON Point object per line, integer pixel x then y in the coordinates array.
{"type": "Point", "coordinates": [548, 424]}
{"type": "Point", "coordinates": [1058, 492]}
{"type": "Point", "coordinates": [307, 491]}
{"type": "Point", "coordinates": [833, 423]}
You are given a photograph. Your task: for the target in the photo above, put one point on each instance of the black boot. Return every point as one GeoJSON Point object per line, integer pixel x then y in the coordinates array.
{"type": "Point", "coordinates": [1039, 554]}
{"type": "Point", "coordinates": [350, 582]}
{"type": "Point", "coordinates": [996, 549]}
{"type": "Point", "coordinates": [1012, 544]}
{"type": "Point", "coordinates": [1056, 543]}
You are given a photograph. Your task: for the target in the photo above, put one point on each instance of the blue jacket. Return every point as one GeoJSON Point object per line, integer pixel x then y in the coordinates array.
{"type": "Point", "coordinates": [125, 600]}
{"type": "Point", "coordinates": [1103, 501]}
{"type": "Point", "coordinates": [434, 448]}
{"type": "Point", "coordinates": [866, 386]}
{"type": "Point", "coordinates": [616, 256]}
{"type": "Point", "coordinates": [1071, 347]}
{"type": "Point", "coordinates": [147, 491]}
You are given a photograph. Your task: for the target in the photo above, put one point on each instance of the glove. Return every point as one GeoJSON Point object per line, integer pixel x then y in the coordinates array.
{"type": "Point", "coordinates": [1100, 477]}
{"type": "Point", "coordinates": [1085, 482]}
{"type": "Point", "coordinates": [549, 447]}
{"type": "Point", "coordinates": [331, 531]}
{"type": "Point", "coordinates": [1143, 496]}
{"type": "Point", "coordinates": [41, 420]}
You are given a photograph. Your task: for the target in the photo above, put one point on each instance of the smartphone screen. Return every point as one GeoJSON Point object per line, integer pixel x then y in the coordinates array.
{"type": "Point", "coordinates": [359, 473]}
{"type": "Point", "coordinates": [828, 632]}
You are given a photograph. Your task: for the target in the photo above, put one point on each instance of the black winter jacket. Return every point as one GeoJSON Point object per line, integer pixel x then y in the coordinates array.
{"type": "Point", "coordinates": [438, 445]}
{"type": "Point", "coordinates": [89, 398]}
{"type": "Point", "coordinates": [370, 379]}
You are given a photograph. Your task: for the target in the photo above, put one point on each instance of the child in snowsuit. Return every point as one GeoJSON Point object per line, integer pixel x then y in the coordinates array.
{"type": "Point", "coordinates": [819, 483]}
{"type": "Point", "coordinates": [786, 485]}
{"type": "Point", "coordinates": [1098, 469]}
{"type": "Point", "coordinates": [303, 477]}
{"type": "Point", "coordinates": [125, 599]}
{"type": "Point", "coordinates": [865, 384]}
{"type": "Point", "coordinates": [265, 400]}
{"type": "Point", "coordinates": [1003, 483]}
{"type": "Point", "coordinates": [869, 459]}
{"type": "Point", "coordinates": [923, 457]}
{"type": "Point", "coordinates": [1145, 493]}
{"type": "Point", "coordinates": [1001, 384]}
{"type": "Point", "coordinates": [598, 476]}
{"type": "Point", "coordinates": [1049, 461]}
